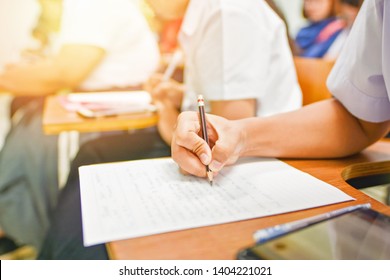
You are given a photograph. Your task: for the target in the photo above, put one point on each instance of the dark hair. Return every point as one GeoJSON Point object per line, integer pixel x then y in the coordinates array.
{"type": "Point", "coordinates": [333, 9]}
{"type": "Point", "coordinates": [354, 3]}
{"type": "Point", "coordinates": [276, 9]}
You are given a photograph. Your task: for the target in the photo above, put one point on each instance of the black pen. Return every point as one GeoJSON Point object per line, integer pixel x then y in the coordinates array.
{"type": "Point", "coordinates": [203, 126]}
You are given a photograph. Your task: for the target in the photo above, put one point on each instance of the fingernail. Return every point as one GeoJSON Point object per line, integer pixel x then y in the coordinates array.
{"type": "Point", "coordinates": [204, 158]}
{"type": "Point", "coordinates": [215, 165]}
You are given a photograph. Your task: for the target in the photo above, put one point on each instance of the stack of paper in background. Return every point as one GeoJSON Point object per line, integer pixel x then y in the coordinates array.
{"type": "Point", "coordinates": [101, 104]}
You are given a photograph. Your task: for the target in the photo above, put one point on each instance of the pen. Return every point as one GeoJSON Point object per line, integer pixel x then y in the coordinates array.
{"type": "Point", "coordinates": [176, 58]}
{"type": "Point", "coordinates": [270, 233]}
{"type": "Point", "coordinates": [202, 117]}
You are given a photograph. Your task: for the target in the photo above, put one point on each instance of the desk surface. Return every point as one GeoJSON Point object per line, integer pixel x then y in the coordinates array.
{"type": "Point", "coordinates": [223, 241]}
{"type": "Point", "coordinates": [57, 119]}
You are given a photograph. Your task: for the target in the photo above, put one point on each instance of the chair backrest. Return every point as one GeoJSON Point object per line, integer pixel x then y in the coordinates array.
{"type": "Point", "coordinates": [370, 174]}
{"type": "Point", "coordinates": [312, 74]}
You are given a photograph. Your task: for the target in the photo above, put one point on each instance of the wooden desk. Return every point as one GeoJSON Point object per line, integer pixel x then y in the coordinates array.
{"type": "Point", "coordinates": [57, 119]}
{"type": "Point", "coordinates": [223, 241]}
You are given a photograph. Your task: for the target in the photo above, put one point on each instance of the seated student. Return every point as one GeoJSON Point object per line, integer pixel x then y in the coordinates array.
{"type": "Point", "coordinates": [235, 52]}
{"type": "Point", "coordinates": [93, 54]}
{"type": "Point", "coordinates": [358, 116]}
{"type": "Point", "coordinates": [315, 39]}
{"type": "Point", "coordinates": [104, 44]}
{"type": "Point", "coordinates": [348, 12]}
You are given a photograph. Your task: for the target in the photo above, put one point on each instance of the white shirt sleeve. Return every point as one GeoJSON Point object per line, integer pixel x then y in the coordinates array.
{"type": "Point", "coordinates": [361, 75]}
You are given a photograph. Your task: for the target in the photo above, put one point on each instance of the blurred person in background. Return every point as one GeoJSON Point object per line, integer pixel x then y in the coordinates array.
{"type": "Point", "coordinates": [323, 28]}
{"type": "Point", "coordinates": [102, 45]}
{"type": "Point", "coordinates": [349, 10]}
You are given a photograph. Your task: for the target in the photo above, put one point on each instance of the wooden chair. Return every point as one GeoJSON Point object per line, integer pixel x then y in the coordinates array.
{"type": "Point", "coordinates": [363, 175]}
{"type": "Point", "coordinates": [369, 174]}
{"type": "Point", "coordinates": [312, 75]}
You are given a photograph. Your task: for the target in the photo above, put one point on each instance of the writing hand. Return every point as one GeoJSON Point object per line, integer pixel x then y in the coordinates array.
{"type": "Point", "coordinates": [162, 91]}
{"type": "Point", "coordinates": [192, 153]}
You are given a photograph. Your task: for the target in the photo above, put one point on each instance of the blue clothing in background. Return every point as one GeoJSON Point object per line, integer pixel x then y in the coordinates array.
{"type": "Point", "coordinates": [308, 38]}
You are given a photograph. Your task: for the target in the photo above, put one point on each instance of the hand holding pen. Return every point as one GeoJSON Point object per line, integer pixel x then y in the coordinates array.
{"type": "Point", "coordinates": [163, 88]}
{"type": "Point", "coordinates": [191, 152]}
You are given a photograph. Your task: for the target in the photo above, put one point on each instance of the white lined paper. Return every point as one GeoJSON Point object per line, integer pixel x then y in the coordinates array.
{"type": "Point", "coordinates": [139, 198]}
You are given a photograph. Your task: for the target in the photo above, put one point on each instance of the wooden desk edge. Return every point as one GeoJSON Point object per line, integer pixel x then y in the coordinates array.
{"type": "Point", "coordinates": [57, 119]}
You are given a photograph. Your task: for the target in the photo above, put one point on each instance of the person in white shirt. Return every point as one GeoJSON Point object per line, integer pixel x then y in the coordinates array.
{"type": "Point", "coordinates": [118, 28]}
{"type": "Point", "coordinates": [236, 55]}
{"type": "Point", "coordinates": [102, 45]}
{"type": "Point", "coordinates": [357, 116]}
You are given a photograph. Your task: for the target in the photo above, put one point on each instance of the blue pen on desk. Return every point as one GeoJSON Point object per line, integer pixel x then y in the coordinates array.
{"type": "Point", "coordinates": [270, 233]}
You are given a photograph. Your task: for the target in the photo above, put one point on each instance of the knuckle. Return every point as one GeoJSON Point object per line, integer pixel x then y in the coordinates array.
{"type": "Point", "coordinates": [222, 151]}
{"type": "Point", "coordinates": [197, 148]}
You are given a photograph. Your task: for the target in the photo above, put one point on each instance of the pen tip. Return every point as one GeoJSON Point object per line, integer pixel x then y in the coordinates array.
{"type": "Point", "coordinates": [210, 177]}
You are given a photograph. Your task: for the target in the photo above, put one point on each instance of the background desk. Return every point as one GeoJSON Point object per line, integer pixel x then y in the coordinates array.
{"type": "Point", "coordinates": [57, 119]}
{"type": "Point", "coordinates": [224, 241]}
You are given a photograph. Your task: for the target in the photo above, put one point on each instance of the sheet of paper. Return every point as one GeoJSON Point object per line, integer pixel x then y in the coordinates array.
{"type": "Point", "coordinates": [139, 198]}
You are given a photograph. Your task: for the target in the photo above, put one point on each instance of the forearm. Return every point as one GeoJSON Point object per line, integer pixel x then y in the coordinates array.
{"type": "Point", "coordinates": [67, 69]}
{"type": "Point", "coordinates": [35, 79]}
{"type": "Point", "coordinates": [322, 130]}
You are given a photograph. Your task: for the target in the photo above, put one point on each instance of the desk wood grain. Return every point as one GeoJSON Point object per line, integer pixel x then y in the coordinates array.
{"type": "Point", "coordinates": [223, 241]}
{"type": "Point", "coordinates": [57, 119]}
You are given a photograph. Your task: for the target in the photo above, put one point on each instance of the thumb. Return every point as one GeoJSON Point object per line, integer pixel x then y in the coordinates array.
{"type": "Point", "coordinates": [189, 150]}
{"type": "Point", "coordinates": [203, 151]}
{"type": "Point", "coordinates": [197, 145]}
{"type": "Point", "coordinates": [190, 159]}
